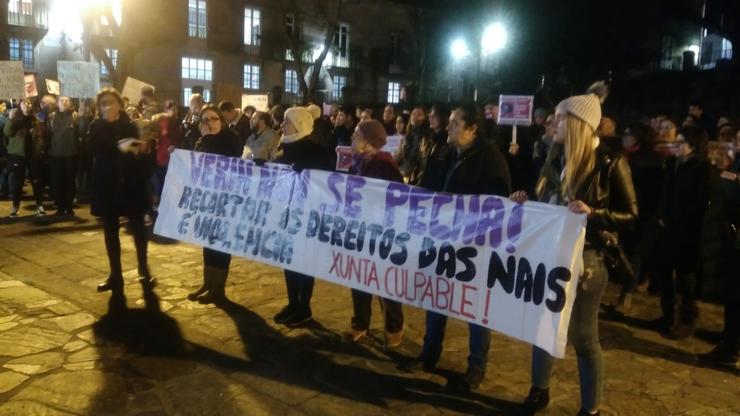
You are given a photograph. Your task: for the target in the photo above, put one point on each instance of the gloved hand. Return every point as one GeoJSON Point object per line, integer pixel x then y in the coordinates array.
{"type": "Point", "coordinates": [259, 162]}
{"type": "Point", "coordinates": [298, 167]}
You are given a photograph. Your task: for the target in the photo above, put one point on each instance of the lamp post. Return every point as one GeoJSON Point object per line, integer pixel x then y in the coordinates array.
{"type": "Point", "coordinates": [493, 39]}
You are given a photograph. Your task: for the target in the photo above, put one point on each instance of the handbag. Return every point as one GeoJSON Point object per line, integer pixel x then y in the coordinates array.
{"type": "Point", "coordinates": [614, 254]}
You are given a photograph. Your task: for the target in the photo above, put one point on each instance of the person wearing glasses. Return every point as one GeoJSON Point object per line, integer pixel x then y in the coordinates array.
{"type": "Point", "coordinates": [217, 138]}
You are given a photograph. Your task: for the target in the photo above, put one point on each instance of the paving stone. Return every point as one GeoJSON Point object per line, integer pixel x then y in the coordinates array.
{"type": "Point", "coordinates": [37, 363]}
{"type": "Point", "coordinates": [10, 380]}
{"type": "Point", "coordinates": [74, 345]}
{"type": "Point", "coordinates": [7, 325]}
{"type": "Point", "coordinates": [84, 365]}
{"type": "Point", "coordinates": [24, 340]}
{"type": "Point", "coordinates": [29, 408]}
{"type": "Point", "coordinates": [82, 392]}
{"type": "Point", "coordinates": [63, 308]}
{"type": "Point", "coordinates": [75, 321]}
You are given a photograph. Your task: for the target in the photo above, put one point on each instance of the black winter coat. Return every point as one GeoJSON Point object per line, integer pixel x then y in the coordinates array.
{"type": "Point", "coordinates": [120, 181]}
{"type": "Point", "coordinates": [242, 129]}
{"type": "Point", "coordinates": [305, 153]}
{"type": "Point", "coordinates": [225, 143]}
{"type": "Point", "coordinates": [647, 177]}
{"type": "Point", "coordinates": [479, 170]}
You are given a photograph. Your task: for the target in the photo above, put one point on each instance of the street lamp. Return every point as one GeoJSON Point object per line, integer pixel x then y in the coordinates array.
{"type": "Point", "coordinates": [494, 38]}
{"type": "Point", "coordinates": [459, 49]}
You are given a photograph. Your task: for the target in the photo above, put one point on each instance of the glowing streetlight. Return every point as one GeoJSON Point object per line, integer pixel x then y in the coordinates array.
{"type": "Point", "coordinates": [494, 38]}
{"type": "Point", "coordinates": [459, 49]}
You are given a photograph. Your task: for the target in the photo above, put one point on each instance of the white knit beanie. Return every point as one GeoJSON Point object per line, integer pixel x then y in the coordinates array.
{"type": "Point", "coordinates": [315, 111]}
{"type": "Point", "coordinates": [587, 107]}
{"type": "Point", "coordinates": [302, 120]}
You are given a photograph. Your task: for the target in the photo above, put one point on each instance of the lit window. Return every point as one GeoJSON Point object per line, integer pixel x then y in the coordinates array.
{"type": "Point", "coordinates": [200, 69]}
{"type": "Point", "coordinates": [291, 81]}
{"type": "Point", "coordinates": [24, 7]}
{"type": "Point", "coordinates": [21, 50]}
{"type": "Point", "coordinates": [197, 19]}
{"type": "Point", "coordinates": [252, 18]}
{"type": "Point", "coordinates": [726, 49]}
{"type": "Point", "coordinates": [251, 77]}
{"type": "Point", "coordinates": [394, 92]}
{"type": "Point", "coordinates": [338, 84]}
{"type": "Point", "coordinates": [187, 92]}
{"type": "Point", "coordinates": [113, 55]}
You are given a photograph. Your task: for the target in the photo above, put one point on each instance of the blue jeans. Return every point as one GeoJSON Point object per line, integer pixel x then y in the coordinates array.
{"type": "Point", "coordinates": [478, 343]}
{"type": "Point", "coordinates": [583, 334]}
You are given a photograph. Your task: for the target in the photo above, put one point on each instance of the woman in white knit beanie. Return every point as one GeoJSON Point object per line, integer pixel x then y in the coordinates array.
{"type": "Point", "coordinates": [580, 174]}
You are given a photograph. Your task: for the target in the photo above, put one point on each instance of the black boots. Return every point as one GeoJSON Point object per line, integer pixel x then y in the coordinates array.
{"type": "Point", "coordinates": [214, 287]}
{"type": "Point", "coordinates": [537, 400]}
{"type": "Point", "coordinates": [114, 282]}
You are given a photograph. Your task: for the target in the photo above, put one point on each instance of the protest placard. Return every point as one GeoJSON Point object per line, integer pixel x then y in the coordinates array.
{"type": "Point", "coordinates": [12, 82]}
{"type": "Point", "coordinates": [515, 109]}
{"type": "Point", "coordinates": [52, 86]}
{"type": "Point", "coordinates": [30, 85]}
{"type": "Point", "coordinates": [260, 102]}
{"type": "Point", "coordinates": [78, 79]}
{"type": "Point", "coordinates": [392, 144]}
{"type": "Point", "coordinates": [132, 89]}
{"type": "Point", "coordinates": [483, 259]}
{"type": "Point", "coordinates": [344, 158]}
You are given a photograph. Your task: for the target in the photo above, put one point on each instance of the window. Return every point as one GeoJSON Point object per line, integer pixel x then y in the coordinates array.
{"type": "Point", "coordinates": [197, 19]}
{"type": "Point", "coordinates": [251, 77]}
{"type": "Point", "coordinates": [24, 7]}
{"type": "Point", "coordinates": [21, 50]}
{"type": "Point", "coordinates": [113, 55]}
{"type": "Point", "coordinates": [252, 20]}
{"type": "Point", "coordinates": [338, 84]}
{"type": "Point", "coordinates": [394, 48]}
{"type": "Point", "coordinates": [116, 9]}
{"type": "Point", "coordinates": [194, 68]}
{"type": "Point", "coordinates": [394, 92]}
{"type": "Point", "coordinates": [187, 92]}
{"type": "Point", "coordinates": [341, 40]}
{"type": "Point", "coordinates": [726, 49]}
{"type": "Point", "coordinates": [291, 81]}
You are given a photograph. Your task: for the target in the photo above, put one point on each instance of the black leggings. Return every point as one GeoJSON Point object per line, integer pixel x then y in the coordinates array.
{"type": "Point", "coordinates": [111, 227]}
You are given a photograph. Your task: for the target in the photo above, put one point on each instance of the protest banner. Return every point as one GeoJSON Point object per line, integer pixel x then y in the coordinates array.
{"type": "Point", "coordinates": [30, 85]}
{"type": "Point", "coordinates": [52, 86]}
{"type": "Point", "coordinates": [78, 79]}
{"type": "Point", "coordinates": [515, 110]}
{"type": "Point", "coordinates": [392, 144]}
{"type": "Point", "coordinates": [483, 259]}
{"type": "Point", "coordinates": [260, 102]}
{"type": "Point", "coordinates": [12, 80]}
{"type": "Point", "coordinates": [132, 89]}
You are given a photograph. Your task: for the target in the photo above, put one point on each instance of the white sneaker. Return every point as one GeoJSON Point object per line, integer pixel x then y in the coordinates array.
{"type": "Point", "coordinates": [14, 212]}
{"type": "Point", "coordinates": [40, 211]}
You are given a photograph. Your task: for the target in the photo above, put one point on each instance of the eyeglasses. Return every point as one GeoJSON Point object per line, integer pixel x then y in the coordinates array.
{"type": "Point", "coordinates": [205, 120]}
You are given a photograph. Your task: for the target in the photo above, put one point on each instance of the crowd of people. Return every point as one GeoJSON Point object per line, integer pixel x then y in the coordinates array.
{"type": "Point", "coordinates": [662, 214]}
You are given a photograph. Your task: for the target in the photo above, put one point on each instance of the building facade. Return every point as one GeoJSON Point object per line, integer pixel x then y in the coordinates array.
{"type": "Point", "coordinates": [223, 47]}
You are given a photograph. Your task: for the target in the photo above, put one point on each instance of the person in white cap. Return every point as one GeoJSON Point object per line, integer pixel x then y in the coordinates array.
{"type": "Point", "coordinates": [298, 149]}
{"type": "Point", "coordinates": [580, 174]}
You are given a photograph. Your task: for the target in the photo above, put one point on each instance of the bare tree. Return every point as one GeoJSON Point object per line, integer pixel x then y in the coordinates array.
{"type": "Point", "coordinates": [92, 46]}
{"type": "Point", "coordinates": [300, 46]}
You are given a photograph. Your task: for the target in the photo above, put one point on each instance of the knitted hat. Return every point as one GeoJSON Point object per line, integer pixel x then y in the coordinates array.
{"type": "Point", "coordinates": [315, 111]}
{"type": "Point", "coordinates": [373, 132]}
{"type": "Point", "coordinates": [587, 107]}
{"type": "Point", "coordinates": [301, 119]}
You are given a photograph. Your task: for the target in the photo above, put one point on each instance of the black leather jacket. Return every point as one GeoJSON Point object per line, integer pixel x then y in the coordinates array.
{"type": "Point", "coordinates": [609, 193]}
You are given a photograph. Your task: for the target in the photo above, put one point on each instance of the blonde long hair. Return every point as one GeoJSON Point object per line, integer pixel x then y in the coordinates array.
{"type": "Point", "coordinates": [580, 157]}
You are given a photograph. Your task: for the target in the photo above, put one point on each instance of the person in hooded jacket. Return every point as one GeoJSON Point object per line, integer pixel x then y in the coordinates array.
{"type": "Point", "coordinates": [299, 150]}
{"type": "Point", "coordinates": [63, 137]}
{"type": "Point", "coordinates": [218, 138]}
{"type": "Point", "coordinates": [370, 161]}
{"type": "Point", "coordinates": [121, 171]}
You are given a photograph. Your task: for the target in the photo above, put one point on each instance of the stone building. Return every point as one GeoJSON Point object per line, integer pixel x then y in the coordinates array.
{"type": "Point", "coordinates": [225, 47]}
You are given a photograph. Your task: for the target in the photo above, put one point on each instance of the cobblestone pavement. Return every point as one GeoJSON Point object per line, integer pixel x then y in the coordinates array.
{"type": "Point", "coordinates": [60, 354]}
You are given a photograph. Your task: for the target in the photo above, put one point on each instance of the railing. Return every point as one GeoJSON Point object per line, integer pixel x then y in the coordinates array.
{"type": "Point", "coordinates": [29, 14]}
